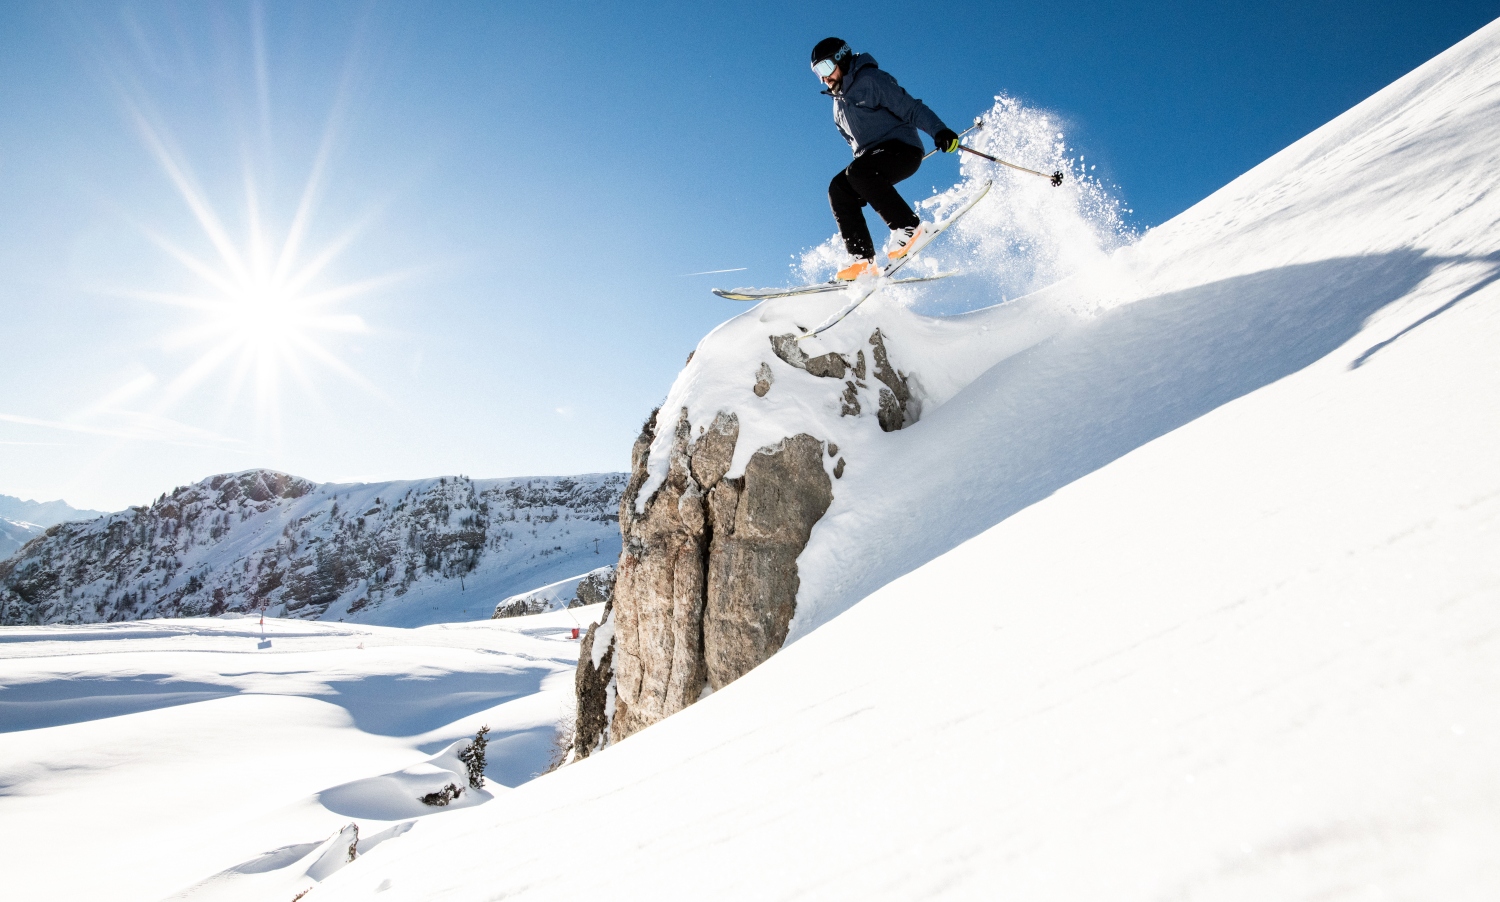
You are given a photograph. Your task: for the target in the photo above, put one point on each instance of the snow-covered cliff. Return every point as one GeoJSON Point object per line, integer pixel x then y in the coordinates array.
{"type": "Point", "coordinates": [765, 431]}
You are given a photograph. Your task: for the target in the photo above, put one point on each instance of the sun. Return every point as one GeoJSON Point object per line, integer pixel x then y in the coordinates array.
{"type": "Point", "coordinates": [266, 275]}
{"type": "Point", "coordinates": [259, 322]}
{"type": "Point", "coordinates": [260, 307]}
{"type": "Point", "coordinates": [264, 313]}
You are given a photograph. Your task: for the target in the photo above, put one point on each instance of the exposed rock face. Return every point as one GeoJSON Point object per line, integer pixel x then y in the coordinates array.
{"type": "Point", "coordinates": [898, 408]}
{"type": "Point", "coordinates": [659, 592]}
{"type": "Point", "coordinates": [594, 684]}
{"type": "Point", "coordinates": [707, 581]}
{"type": "Point", "coordinates": [849, 401]}
{"type": "Point", "coordinates": [596, 588]}
{"type": "Point", "coordinates": [521, 607]}
{"type": "Point", "coordinates": [760, 524]}
{"type": "Point", "coordinates": [763, 380]}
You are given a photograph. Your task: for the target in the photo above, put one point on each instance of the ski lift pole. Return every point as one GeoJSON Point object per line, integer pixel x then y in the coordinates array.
{"type": "Point", "coordinates": [1056, 177]}
{"type": "Point", "coordinates": [978, 123]}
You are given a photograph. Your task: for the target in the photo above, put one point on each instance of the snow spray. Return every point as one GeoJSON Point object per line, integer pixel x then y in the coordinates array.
{"type": "Point", "coordinates": [1026, 235]}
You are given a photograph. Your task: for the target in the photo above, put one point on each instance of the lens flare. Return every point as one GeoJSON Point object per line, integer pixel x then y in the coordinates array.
{"type": "Point", "coordinates": [254, 311]}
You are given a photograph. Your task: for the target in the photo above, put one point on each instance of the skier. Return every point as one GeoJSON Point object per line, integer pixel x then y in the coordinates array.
{"type": "Point", "coordinates": [880, 121]}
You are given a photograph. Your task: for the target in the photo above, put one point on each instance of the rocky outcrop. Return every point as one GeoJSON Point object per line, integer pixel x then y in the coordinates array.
{"type": "Point", "coordinates": [594, 684]}
{"type": "Point", "coordinates": [897, 406]}
{"type": "Point", "coordinates": [521, 607]}
{"type": "Point", "coordinates": [760, 524]}
{"type": "Point", "coordinates": [764, 378]}
{"type": "Point", "coordinates": [707, 581]}
{"type": "Point", "coordinates": [595, 587]}
{"type": "Point", "coordinates": [660, 586]}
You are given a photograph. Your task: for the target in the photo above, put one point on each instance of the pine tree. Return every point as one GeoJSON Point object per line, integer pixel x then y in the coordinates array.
{"type": "Point", "coordinates": [473, 758]}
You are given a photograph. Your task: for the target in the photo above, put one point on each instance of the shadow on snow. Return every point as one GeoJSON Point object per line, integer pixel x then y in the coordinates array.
{"type": "Point", "coordinates": [383, 704]}
{"type": "Point", "coordinates": [1066, 407]}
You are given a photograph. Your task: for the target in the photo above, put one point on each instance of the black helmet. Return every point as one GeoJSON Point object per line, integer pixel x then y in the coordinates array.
{"type": "Point", "coordinates": [833, 50]}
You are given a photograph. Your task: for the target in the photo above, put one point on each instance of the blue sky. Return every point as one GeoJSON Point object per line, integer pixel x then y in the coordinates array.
{"type": "Point", "coordinates": [509, 197]}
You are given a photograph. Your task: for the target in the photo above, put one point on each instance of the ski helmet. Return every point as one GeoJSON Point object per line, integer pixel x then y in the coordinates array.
{"type": "Point", "coordinates": [828, 54]}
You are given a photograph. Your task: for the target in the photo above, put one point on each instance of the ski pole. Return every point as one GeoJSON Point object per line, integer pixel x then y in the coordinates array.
{"type": "Point", "coordinates": [1056, 177]}
{"type": "Point", "coordinates": [978, 123]}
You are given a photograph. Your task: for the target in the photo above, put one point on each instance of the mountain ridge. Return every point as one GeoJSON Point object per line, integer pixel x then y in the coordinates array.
{"type": "Point", "coordinates": [400, 553]}
{"type": "Point", "coordinates": [23, 520]}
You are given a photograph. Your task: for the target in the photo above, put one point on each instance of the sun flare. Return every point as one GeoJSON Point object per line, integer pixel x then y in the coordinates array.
{"type": "Point", "coordinates": [260, 307]}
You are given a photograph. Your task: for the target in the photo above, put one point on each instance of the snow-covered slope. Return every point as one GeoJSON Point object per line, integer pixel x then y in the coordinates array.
{"type": "Point", "coordinates": [1345, 232]}
{"type": "Point", "coordinates": [1228, 624]}
{"type": "Point", "coordinates": [142, 759]}
{"type": "Point", "coordinates": [396, 553]}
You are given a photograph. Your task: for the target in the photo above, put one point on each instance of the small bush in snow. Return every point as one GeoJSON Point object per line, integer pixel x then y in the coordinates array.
{"type": "Point", "coordinates": [562, 740]}
{"type": "Point", "coordinates": [473, 758]}
{"type": "Point", "coordinates": [442, 796]}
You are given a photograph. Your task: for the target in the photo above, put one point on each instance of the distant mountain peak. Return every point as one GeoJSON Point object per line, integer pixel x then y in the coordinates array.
{"type": "Point", "coordinates": [42, 513]}
{"type": "Point", "coordinates": [21, 521]}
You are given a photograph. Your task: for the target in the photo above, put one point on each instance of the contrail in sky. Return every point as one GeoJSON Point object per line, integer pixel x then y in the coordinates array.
{"type": "Point", "coordinates": [715, 271]}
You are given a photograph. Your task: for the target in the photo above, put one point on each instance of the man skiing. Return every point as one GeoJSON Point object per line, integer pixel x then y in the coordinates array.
{"type": "Point", "coordinates": [880, 121]}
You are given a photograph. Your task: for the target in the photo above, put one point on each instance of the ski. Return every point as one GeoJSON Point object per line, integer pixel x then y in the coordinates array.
{"type": "Point", "coordinates": [863, 292]}
{"type": "Point", "coordinates": [765, 294]}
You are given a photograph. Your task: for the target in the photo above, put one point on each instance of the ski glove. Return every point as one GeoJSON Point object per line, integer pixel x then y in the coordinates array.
{"type": "Point", "coordinates": [946, 140]}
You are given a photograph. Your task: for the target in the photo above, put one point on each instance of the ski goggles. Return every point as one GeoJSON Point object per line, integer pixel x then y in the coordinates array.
{"type": "Point", "coordinates": [825, 67]}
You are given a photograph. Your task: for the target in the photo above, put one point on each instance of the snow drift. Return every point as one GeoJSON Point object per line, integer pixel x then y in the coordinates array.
{"type": "Point", "coordinates": [188, 757]}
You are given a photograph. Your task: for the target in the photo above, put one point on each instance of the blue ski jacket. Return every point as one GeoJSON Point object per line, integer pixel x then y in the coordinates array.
{"type": "Point", "coordinates": [870, 108]}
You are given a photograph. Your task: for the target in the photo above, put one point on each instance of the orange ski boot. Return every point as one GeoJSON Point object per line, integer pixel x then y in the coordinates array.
{"type": "Point", "coordinates": [856, 269]}
{"type": "Point", "coordinates": [903, 240]}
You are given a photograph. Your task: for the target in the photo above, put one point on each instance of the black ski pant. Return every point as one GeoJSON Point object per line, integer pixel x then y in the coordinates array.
{"type": "Point", "coordinates": [871, 179]}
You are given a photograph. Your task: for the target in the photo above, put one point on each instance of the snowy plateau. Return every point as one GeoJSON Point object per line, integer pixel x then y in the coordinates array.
{"type": "Point", "coordinates": [1181, 580]}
